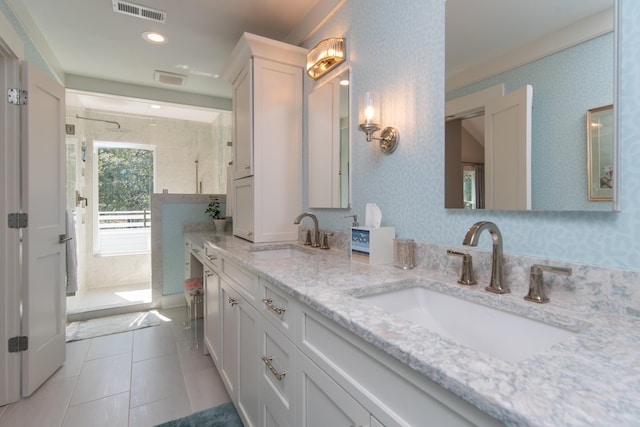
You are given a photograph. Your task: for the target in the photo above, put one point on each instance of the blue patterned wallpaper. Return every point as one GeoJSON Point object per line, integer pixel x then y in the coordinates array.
{"type": "Point", "coordinates": [397, 49]}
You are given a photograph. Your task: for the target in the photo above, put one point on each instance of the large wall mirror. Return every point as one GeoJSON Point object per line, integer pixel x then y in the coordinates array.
{"type": "Point", "coordinates": [560, 58]}
{"type": "Point", "coordinates": [328, 127]}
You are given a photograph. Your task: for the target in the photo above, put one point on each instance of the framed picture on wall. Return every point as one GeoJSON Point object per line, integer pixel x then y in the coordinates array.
{"type": "Point", "coordinates": [600, 153]}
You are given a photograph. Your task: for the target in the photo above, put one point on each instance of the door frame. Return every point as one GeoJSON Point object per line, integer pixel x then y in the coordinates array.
{"type": "Point", "coordinates": [11, 55]}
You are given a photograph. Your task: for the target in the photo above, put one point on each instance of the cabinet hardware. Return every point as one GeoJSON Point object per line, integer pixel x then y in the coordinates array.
{"type": "Point", "coordinates": [247, 167]}
{"type": "Point", "coordinates": [212, 257]}
{"type": "Point", "coordinates": [277, 310]}
{"type": "Point", "coordinates": [208, 273]}
{"type": "Point", "coordinates": [196, 250]}
{"type": "Point", "coordinates": [267, 361]}
{"type": "Point", "coordinates": [233, 302]}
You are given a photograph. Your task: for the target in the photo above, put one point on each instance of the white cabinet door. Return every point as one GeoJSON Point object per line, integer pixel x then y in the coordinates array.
{"type": "Point", "coordinates": [249, 363]}
{"type": "Point", "coordinates": [229, 366]}
{"type": "Point", "coordinates": [243, 123]}
{"type": "Point", "coordinates": [213, 315]}
{"type": "Point", "coordinates": [243, 209]}
{"type": "Point", "coordinates": [240, 361]}
{"type": "Point", "coordinates": [321, 402]}
{"type": "Point", "coordinates": [507, 150]}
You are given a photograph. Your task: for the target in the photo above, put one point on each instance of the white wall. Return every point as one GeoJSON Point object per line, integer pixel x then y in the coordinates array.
{"type": "Point", "coordinates": [178, 144]}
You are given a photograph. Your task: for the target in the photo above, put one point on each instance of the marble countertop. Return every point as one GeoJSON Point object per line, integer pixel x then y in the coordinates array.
{"type": "Point", "coordinates": [592, 378]}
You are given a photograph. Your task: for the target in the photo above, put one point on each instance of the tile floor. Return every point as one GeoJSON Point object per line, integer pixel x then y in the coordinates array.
{"type": "Point", "coordinates": [134, 379]}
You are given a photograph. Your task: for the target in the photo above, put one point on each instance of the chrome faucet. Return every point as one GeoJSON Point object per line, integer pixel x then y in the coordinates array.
{"type": "Point", "coordinates": [316, 229]}
{"type": "Point", "coordinates": [496, 284]}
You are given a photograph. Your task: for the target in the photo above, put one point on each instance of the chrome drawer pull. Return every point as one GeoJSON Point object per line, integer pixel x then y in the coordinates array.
{"type": "Point", "coordinates": [267, 361]}
{"type": "Point", "coordinates": [208, 273]}
{"type": "Point", "coordinates": [196, 250]}
{"type": "Point", "coordinates": [277, 310]}
{"type": "Point", "coordinates": [233, 302]}
{"type": "Point", "coordinates": [212, 257]}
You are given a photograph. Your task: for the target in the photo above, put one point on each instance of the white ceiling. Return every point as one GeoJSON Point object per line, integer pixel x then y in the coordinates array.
{"type": "Point", "coordinates": [123, 106]}
{"type": "Point", "coordinates": [89, 39]}
{"type": "Point", "coordinates": [477, 30]}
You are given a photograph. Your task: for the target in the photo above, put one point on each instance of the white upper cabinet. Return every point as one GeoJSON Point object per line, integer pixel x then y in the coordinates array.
{"type": "Point", "coordinates": [267, 117]}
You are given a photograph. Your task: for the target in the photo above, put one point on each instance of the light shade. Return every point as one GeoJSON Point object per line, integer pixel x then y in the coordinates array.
{"type": "Point", "coordinates": [369, 108]}
{"type": "Point", "coordinates": [369, 122]}
{"type": "Point", "coordinates": [325, 56]}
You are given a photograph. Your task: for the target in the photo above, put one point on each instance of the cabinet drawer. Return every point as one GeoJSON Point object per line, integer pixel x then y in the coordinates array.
{"type": "Point", "coordinates": [245, 281]}
{"type": "Point", "coordinates": [196, 251]}
{"type": "Point", "coordinates": [277, 378]}
{"type": "Point", "coordinates": [382, 383]}
{"type": "Point", "coordinates": [212, 257]}
{"type": "Point", "coordinates": [278, 308]}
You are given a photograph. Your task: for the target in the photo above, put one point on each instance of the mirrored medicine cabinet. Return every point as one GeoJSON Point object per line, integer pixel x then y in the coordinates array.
{"type": "Point", "coordinates": [328, 141]}
{"type": "Point", "coordinates": [568, 58]}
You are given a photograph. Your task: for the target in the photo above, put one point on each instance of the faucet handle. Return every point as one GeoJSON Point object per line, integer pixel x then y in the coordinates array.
{"type": "Point", "coordinates": [355, 220]}
{"type": "Point", "coordinates": [466, 273]}
{"type": "Point", "coordinates": [325, 240]}
{"type": "Point", "coordinates": [536, 283]}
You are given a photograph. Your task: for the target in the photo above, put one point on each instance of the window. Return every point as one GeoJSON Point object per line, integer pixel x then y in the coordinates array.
{"type": "Point", "coordinates": [469, 188]}
{"type": "Point", "coordinates": [124, 176]}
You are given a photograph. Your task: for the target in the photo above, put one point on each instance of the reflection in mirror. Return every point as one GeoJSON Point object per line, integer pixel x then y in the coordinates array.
{"type": "Point", "coordinates": [566, 53]}
{"type": "Point", "coordinates": [600, 153]}
{"type": "Point", "coordinates": [328, 130]}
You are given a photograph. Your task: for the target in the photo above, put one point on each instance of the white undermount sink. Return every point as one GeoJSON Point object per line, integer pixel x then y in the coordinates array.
{"type": "Point", "coordinates": [279, 252]}
{"type": "Point", "coordinates": [495, 332]}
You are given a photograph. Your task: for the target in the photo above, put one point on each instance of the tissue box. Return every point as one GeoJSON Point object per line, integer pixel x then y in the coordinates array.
{"type": "Point", "coordinates": [372, 245]}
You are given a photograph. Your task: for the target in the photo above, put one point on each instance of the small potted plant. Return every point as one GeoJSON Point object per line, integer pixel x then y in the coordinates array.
{"type": "Point", "coordinates": [213, 210]}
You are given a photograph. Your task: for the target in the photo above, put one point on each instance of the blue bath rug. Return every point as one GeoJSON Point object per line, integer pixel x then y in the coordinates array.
{"type": "Point", "coordinates": [224, 415]}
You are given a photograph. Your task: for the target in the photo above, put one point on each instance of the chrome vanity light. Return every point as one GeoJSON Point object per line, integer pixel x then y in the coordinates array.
{"type": "Point", "coordinates": [325, 56]}
{"type": "Point", "coordinates": [368, 116]}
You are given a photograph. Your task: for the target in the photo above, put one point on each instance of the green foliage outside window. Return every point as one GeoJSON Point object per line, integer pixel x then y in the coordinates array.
{"type": "Point", "coordinates": [125, 179]}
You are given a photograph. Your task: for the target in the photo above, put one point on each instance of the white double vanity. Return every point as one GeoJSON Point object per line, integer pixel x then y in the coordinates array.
{"type": "Point", "coordinates": [297, 344]}
{"type": "Point", "coordinates": [284, 363]}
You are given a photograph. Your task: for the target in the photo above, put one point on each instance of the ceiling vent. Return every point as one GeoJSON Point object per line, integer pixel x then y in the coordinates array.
{"type": "Point", "coordinates": [170, 78]}
{"type": "Point", "coordinates": [136, 10]}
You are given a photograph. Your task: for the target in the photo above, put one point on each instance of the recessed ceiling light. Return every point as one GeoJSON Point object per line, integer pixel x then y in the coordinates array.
{"type": "Point", "coordinates": [152, 37]}
{"type": "Point", "coordinates": [155, 106]}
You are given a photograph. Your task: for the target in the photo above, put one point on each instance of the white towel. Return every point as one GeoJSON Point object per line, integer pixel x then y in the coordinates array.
{"type": "Point", "coordinates": [72, 259]}
{"type": "Point", "coordinates": [229, 202]}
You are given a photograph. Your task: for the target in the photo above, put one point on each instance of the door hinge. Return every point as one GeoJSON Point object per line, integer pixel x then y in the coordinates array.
{"type": "Point", "coordinates": [17, 96]}
{"type": "Point", "coordinates": [18, 344]}
{"type": "Point", "coordinates": [18, 220]}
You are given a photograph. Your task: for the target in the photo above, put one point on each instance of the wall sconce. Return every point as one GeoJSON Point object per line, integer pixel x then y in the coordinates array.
{"type": "Point", "coordinates": [369, 109]}
{"type": "Point", "coordinates": [325, 56]}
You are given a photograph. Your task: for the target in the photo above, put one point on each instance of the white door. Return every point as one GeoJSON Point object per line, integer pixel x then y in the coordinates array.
{"type": "Point", "coordinates": [9, 237]}
{"type": "Point", "coordinates": [507, 150]}
{"type": "Point", "coordinates": [43, 199]}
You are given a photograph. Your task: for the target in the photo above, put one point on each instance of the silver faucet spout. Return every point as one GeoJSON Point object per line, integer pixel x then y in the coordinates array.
{"type": "Point", "coordinates": [496, 284]}
{"type": "Point", "coordinates": [316, 229]}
